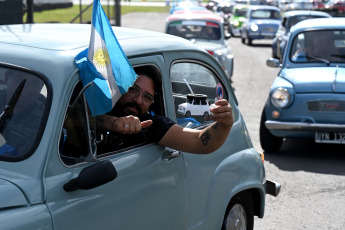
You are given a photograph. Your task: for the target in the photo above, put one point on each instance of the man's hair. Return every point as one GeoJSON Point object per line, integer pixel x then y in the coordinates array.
{"type": "Point", "coordinates": [150, 72]}
{"type": "Point", "coordinates": [153, 73]}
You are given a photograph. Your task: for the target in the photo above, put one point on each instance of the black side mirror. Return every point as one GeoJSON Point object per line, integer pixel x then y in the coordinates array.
{"type": "Point", "coordinates": [92, 176]}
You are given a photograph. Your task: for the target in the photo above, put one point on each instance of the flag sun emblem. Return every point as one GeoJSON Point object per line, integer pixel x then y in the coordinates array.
{"type": "Point", "coordinates": [101, 57]}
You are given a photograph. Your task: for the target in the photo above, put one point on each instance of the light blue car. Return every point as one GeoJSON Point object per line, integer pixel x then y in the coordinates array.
{"type": "Point", "coordinates": [307, 98]}
{"type": "Point", "coordinates": [58, 170]}
{"type": "Point", "coordinates": [261, 22]}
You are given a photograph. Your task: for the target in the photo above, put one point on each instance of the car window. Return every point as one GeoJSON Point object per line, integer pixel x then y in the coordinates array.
{"type": "Point", "coordinates": [83, 137]}
{"type": "Point", "coordinates": [195, 88]}
{"type": "Point", "coordinates": [241, 12]}
{"type": "Point", "coordinates": [195, 29]}
{"type": "Point", "coordinates": [22, 105]}
{"type": "Point", "coordinates": [265, 14]}
{"type": "Point", "coordinates": [319, 46]}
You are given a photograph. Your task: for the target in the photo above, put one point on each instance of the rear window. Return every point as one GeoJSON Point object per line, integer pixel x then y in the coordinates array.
{"type": "Point", "coordinates": [195, 30]}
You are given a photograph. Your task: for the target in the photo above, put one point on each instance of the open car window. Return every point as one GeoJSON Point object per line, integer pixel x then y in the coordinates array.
{"type": "Point", "coordinates": [83, 138]}
{"type": "Point", "coordinates": [195, 88]}
{"type": "Point", "coordinates": [23, 100]}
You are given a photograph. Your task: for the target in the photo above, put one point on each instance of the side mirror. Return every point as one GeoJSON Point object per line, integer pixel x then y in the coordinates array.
{"type": "Point", "coordinates": [273, 62]}
{"type": "Point", "coordinates": [92, 176]}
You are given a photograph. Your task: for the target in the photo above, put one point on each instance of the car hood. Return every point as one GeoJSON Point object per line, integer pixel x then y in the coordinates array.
{"type": "Point", "coordinates": [208, 45]}
{"type": "Point", "coordinates": [10, 195]}
{"type": "Point", "coordinates": [316, 80]}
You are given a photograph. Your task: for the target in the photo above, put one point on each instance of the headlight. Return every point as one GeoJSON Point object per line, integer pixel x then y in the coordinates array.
{"type": "Point", "coordinates": [254, 27]}
{"type": "Point", "coordinates": [280, 98]}
{"type": "Point", "coordinates": [236, 23]}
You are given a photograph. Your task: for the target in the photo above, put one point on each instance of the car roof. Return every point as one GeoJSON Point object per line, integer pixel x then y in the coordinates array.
{"type": "Point", "coordinates": [241, 6]}
{"type": "Point", "coordinates": [257, 7]}
{"type": "Point", "coordinates": [74, 37]}
{"type": "Point", "coordinates": [195, 16]}
{"type": "Point", "coordinates": [319, 24]}
{"type": "Point", "coordinates": [305, 12]}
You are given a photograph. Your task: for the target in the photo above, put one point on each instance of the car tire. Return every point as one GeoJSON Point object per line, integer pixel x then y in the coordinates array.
{"type": "Point", "coordinates": [249, 41]}
{"type": "Point", "coordinates": [269, 143]}
{"type": "Point", "coordinates": [206, 114]}
{"type": "Point", "coordinates": [240, 213]}
{"type": "Point", "coordinates": [274, 53]}
{"type": "Point", "coordinates": [188, 113]}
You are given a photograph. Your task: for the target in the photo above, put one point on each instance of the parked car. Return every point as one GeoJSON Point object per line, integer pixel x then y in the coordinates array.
{"type": "Point", "coordinates": [237, 18]}
{"type": "Point", "coordinates": [306, 100]}
{"type": "Point", "coordinates": [61, 177]}
{"type": "Point", "coordinates": [183, 4]}
{"type": "Point", "coordinates": [225, 9]}
{"type": "Point", "coordinates": [300, 5]}
{"type": "Point", "coordinates": [207, 32]}
{"type": "Point", "coordinates": [261, 22]}
{"type": "Point", "coordinates": [290, 18]}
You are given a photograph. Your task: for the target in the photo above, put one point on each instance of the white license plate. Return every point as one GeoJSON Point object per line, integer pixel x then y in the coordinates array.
{"type": "Point", "coordinates": [331, 137]}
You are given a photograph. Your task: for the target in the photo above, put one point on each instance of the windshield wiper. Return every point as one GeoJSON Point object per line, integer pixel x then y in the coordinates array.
{"type": "Point", "coordinates": [8, 110]}
{"type": "Point", "coordinates": [318, 58]}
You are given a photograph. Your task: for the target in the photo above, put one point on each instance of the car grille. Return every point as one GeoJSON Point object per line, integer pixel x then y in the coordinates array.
{"type": "Point", "coordinates": [268, 29]}
{"type": "Point", "coordinates": [326, 106]}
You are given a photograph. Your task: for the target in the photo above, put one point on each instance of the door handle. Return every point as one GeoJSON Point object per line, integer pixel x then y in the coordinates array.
{"type": "Point", "coordinates": [169, 154]}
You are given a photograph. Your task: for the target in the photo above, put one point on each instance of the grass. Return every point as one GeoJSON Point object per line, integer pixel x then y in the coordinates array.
{"type": "Point", "coordinates": [66, 15]}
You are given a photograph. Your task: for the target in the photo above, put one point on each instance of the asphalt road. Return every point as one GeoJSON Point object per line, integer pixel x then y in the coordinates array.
{"type": "Point", "coordinates": [312, 175]}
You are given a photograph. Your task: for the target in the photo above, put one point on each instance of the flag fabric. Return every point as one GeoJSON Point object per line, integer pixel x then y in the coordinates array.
{"type": "Point", "coordinates": [105, 64]}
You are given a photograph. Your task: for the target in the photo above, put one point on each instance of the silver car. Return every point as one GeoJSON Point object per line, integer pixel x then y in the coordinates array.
{"type": "Point", "coordinates": [206, 30]}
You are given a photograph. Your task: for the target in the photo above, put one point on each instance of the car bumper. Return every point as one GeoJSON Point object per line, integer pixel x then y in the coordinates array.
{"type": "Point", "coordinates": [272, 188]}
{"type": "Point", "coordinates": [236, 30]}
{"type": "Point", "coordinates": [308, 127]}
{"type": "Point", "coordinates": [261, 35]}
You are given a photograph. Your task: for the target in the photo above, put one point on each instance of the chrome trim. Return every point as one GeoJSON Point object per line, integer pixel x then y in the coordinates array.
{"type": "Point", "coordinates": [300, 126]}
{"type": "Point", "coordinates": [335, 79]}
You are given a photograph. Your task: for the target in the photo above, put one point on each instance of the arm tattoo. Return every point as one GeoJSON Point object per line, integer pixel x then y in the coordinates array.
{"type": "Point", "coordinates": [205, 137]}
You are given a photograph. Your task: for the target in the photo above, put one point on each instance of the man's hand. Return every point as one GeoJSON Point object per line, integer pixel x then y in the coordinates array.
{"type": "Point", "coordinates": [126, 125]}
{"type": "Point", "coordinates": [222, 113]}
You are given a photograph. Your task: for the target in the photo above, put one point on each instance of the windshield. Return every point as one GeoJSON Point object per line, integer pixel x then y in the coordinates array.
{"type": "Point", "coordinates": [195, 30]}
{"type": "Point", "coordinates": [325, 46]}
{"type": "Point", "coordinates": [241, 12]}
{"type": "Point", "coordinates": [21, 117]}
{"type": "Point", "coordinates": [265, 14]}
{"type": "Point", "coordinates": [295, 19]}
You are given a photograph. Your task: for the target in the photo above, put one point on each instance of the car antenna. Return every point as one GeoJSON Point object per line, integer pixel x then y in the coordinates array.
{"type": "Point", "coordinates": [190, 89]}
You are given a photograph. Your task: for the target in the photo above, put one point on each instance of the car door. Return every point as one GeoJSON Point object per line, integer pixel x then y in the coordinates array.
{"type": "Point", "coordinates": [149, 191]}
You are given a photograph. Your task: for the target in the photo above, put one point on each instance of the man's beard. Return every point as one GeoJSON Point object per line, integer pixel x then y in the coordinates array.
{"type": "Point", "coordinates": [121, 109]}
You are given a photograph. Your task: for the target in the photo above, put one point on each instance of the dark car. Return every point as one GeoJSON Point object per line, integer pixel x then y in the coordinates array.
{"type": "Point", "coordinates": [290, 18]}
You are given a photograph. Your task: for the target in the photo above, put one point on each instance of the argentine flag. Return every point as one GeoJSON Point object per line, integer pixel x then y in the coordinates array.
{"type": "Point", "coordinates": [105, 64]}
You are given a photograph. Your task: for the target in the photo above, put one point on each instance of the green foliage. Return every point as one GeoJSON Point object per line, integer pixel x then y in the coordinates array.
{"type": "Point", "coordinates": [66, 15]}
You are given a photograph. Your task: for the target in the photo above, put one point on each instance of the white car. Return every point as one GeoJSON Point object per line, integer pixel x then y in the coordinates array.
{"type": "Point", "coordinates": [196, 105]}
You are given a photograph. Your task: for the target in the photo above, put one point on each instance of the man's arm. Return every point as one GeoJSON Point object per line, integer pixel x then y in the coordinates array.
{"type": "Point", "coordinates": [202, 141]}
